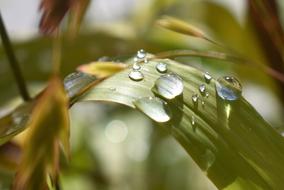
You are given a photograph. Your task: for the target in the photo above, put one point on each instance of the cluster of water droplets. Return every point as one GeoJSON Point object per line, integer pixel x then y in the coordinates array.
{"type": "Point", "coordinates": [136, 74]}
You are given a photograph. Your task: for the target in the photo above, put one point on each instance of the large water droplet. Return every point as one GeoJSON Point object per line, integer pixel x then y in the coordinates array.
{"type": "Point", "coordinates": [169, 86]}
{"type": "Point", "coordinates": [207, 77]}
{"type": "Point", "coordinates": [161, 67]}
{"type": "Point", "coordinates": [202, 88]}
{"type": "Point", "coordinates": [141, 54]}
{"type": "Point", "coordinates": [228, 88]}
{"type": "Point", "coordinates": [136, 75]}
{"type": "Point", "coordinates": [155, 108]}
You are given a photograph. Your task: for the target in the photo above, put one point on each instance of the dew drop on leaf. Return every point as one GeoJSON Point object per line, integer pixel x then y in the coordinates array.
{"type": "Point", "coordinates": [136, 75]}
{"type": "Point", "coordinates": [228, 88]}
{"type": "Point", "coordinates": [136, 66]}
{"type": "Point", "coordinates": [194, 98]}
{"type": "Point", "coordinates": [141, 54]}
{"type": "Point", "coordinates": [202, 88]}
{"type": "Point", "coordinates": [161, 67]}
{"type": "Point", "coordinates": [155, 108]}
{"type": "Point", "coordinates": [207, 77]}
{"type": "Point", "coordinates": [207, 94]}
{"type": "Point", "coordinates": [169, 86]}
{"type": "Point", "coordinates": [192, 120]}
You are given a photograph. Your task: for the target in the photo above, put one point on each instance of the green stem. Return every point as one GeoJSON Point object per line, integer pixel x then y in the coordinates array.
{"type": "Point", "coordinates": [13, 62]}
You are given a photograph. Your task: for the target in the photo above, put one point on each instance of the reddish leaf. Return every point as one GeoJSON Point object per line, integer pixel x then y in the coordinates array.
{"type": "Point", "coordinates": [53, 12]}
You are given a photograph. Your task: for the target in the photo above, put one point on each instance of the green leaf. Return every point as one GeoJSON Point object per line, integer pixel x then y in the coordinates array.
{"type": "Point", "coordinates": [48, 129]}
{"type": "Point", "coordinates": [15, 122]}
{"type": "Point", "coordinates": [229, 140]}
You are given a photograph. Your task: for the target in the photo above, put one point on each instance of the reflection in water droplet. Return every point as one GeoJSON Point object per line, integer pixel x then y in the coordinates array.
{"type": "Point", "coordinates": [169, 86]}
{"type": "Point", "coordinates": [141, 54]}
{"type": "Point", "coordinates": [202, 88]}
{"type": "Point", "coordinates": [228, 88]}
{"type": "Point", "coordinates": [154, 107]}
{"type": "Point", "coordinates": [194, 98]}
{"type": "Point", "coordinates": [207, 77]}
{"type": "Point", "coordinates": [136, 75]}
{"type": "Point", "coordinates": [161, 67]}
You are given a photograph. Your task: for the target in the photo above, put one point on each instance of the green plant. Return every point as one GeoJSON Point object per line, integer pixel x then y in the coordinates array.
{"type": "Point", "coordinates": [220, 130]}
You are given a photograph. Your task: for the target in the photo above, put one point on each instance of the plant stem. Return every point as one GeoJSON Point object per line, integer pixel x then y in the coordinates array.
{"type": "Point", "coordinates": [56, 53]}
{"type": "Point", "coordinates": [13, 62]}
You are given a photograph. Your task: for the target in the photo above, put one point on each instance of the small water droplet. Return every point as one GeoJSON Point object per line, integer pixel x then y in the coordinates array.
{"type": "Point", "coordinates": [154, 107]}
{"type": "Point", "coordinates": [141, 54]}
{"type": "Point", "coordinates": [145, 60]}
{"type": "Point", "coordinates": [207, 94]}
{"type": "Point", "coordinates": [202, 88]}
{"type": "Point", "coordinates": [207, 77]}
{"type": "Point", "coordinates": [192, 120]}
{"type": "Point", "coordinates": [195, 98]}
{"type": "Point", "coordinates": [169, 86]}
{"type": "Point", "coordinates": [161, 67]}
{"type": "Point", "coordinates": [203, 103]}
{"type": "Point", "coordinates": [135, 59]}
{"type": "Point", "coordinates": [104, 59]}
{"type": "Point", "coordinates": [136, 75]}
{"type": "Point", "coordinates": [228, 88]}
{"type": "Point", "coordinates": [136, 66]}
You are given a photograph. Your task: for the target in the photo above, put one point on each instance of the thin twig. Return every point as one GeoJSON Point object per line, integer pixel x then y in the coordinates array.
{"type": "Point", "coordinates": [13, 62]}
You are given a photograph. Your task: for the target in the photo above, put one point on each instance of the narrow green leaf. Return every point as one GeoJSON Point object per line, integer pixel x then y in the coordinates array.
{"type": "Point", "coordinates": [226, 137]}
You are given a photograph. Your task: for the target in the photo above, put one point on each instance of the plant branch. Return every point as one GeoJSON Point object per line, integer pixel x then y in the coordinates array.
{"type": "Point", "coordinates": [13, 62]}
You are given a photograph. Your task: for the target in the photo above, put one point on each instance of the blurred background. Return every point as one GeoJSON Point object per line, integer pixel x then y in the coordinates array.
{"type": "Point", "coordinates": [112, 146]}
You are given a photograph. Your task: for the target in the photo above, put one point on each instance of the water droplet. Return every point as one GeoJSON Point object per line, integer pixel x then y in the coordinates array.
{"type": "Point", "coordinates": [195, 98]}
{"type": "Point", "coordinates": [145, 60]}
{"type": "Point", "coordinates": [202, 88]}
{"type": "Point", "coordinates": [192, 120]}
{"type": "Point", "coordinates": [135, 59]}
{"type": "Point", "coordinates": [169, 86]}
{"type": "Point", "coordinates": [203, 103]}
{"type": "Point", "coordinates": [136, 75]}
{"type": "Point", "coordinates": [141, 54]}
{"type": "Point", "coordinates": [161, 67]}
{"type": "Point", "coordinates": [154, 107]}
{"type": "Point", "coordinates": [228, 88]}
{"type": "Point", "coordinates": [136, 66]}
{"type": "Point", "coordinates": [207, 77]}
{"type": "Point", "coordinates": [207, 94]}
{"type": "Point", "coordinates": [104, 59]}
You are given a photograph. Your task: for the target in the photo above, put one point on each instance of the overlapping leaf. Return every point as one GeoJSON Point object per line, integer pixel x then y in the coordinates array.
{"type": "Point", "coordinates": [48, 130]}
